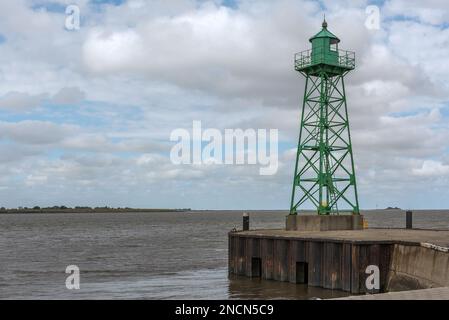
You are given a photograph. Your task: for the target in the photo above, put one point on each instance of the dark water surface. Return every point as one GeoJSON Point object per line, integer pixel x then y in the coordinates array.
{"type": "Point", "coordinates": [147, 255]}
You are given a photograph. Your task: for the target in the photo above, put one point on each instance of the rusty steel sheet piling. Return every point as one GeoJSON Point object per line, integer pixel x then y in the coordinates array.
{"type": "Point", "coordinates": [332, 260]}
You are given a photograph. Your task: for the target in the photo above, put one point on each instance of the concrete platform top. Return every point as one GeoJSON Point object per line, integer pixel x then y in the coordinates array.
{"type": "Point", "coordinates": [425, 294]}
{"type": "Point", "coordinates": [430, 238]}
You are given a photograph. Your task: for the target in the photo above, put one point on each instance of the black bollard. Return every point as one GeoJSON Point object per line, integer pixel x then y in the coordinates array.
{"type": "Point", "coordinates": [409, 220]}
{"type": "Point", "coordinates": [245, 221]}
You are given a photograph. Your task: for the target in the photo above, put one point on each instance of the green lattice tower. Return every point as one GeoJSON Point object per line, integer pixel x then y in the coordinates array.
{"type": "Point", "coordinates": [324, 171]}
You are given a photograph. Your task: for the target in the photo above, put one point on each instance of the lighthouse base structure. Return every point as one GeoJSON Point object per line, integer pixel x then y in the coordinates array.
{"type": "Point", "coordinates": [344, 260]}
{"type": "Point", "coordinates": [323, 223]}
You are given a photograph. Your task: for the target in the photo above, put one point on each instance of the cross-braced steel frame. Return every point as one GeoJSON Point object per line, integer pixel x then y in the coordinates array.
{"type": "Point", "coordinates": [324, 172]}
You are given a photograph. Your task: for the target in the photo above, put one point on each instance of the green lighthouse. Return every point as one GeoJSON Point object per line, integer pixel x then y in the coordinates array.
{"type": "Point", "coordinates": [324, 173]}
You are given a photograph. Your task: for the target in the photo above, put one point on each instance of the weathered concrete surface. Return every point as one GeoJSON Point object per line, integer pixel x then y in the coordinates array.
{"type": "Point", "coordinates": [338, 259]}
{"type": "Point", "coordinates": [417, 267]}
{"type": "Point", "coordinates": [424, 294]}
{"type": "Point", "coordinates": [392, 236]}
{"type": "Point", "coordinates": [323, 223]}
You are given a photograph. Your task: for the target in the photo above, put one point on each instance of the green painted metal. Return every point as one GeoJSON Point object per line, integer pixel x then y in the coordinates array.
{"type": "Point", "coordinates": [324, 172]}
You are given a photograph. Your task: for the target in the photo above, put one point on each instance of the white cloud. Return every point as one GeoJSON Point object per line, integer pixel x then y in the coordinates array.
{"type": "Point", "coordinates": [19, 101]}
{"type": "Point", "coordinates": [36, 180]}
{"type": "Point", "coordinates": [23, 101]}
{"type": "Point", "coordinates": [136, 71]}
{"type": "Point", "coordinates": [433, 11]}
{"type": "Point", "coordinates": [431, 168]}
{"type": "Point", "coordinates": [66, 96]}
{"type": "Point", "coordinates": [35, 132]}
{"type": "Point", "coordinates": [212, 49]}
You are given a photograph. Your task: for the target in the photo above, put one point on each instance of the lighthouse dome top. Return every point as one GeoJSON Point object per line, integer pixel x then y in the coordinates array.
{"type": "Point", "coordinates": [324, 33]}
{"type": "Point", "coordinates": [325, 56]}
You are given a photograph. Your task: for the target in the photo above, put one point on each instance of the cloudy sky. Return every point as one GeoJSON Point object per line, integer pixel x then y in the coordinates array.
{"type": "Point", "coordinates": [86, 115]}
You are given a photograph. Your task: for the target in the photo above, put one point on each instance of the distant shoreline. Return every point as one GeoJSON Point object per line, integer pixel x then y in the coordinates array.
{"type": "Point", "coordinates": [75, 210]}
{"type": "Point", "coordinates": [85, 210]}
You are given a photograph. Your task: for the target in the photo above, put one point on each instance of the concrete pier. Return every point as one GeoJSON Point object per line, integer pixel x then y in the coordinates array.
{"type": "Point", "coordinates": [424, 294]}
{"type": "Point", "coordinates": [323, 222]}
{"type": "Point", "coordinates": [406, 259]}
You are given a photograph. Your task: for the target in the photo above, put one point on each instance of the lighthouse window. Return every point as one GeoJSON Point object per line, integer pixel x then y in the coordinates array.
{"type": "Point", "coordinates": [334, 47]}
